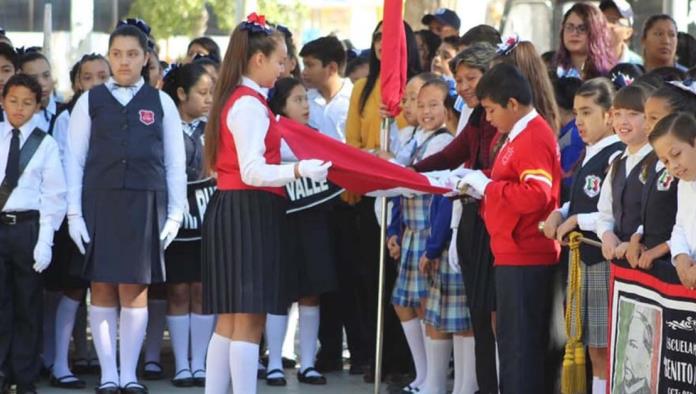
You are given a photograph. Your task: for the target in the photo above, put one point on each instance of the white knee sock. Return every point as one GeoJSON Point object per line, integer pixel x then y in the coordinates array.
{"type": "Point", "coordinates": [438, 362]}
{"type": "Point", "coordinates": [103, 321]}
{"type": "Point", "coordinates": [65, 320]}
{"type": "Point", "coordinates": [275, 334]}
{"type": "Point", "coordinates": [243, 357]}
{"type": "Point", "coordinates": [217, 377]}
{"type": "Point", "coordinates": [156, 319]}
{"type": "Point", "coordinates": [79, 334]}
{"type": "Point", "coordinates": [179, 332]}
{"type": "Point", "coordinates": [201, 330]}
{"type": "Point", "coordinates": [599, 386]}
{"type": "Point", "coordinates": [464, 365]}
{"type": "Point", "coordinates": [132, 329]}
{"type": "Point", "coordinates": [414, 337]}
{"type": "Point", "coordinates": [50, 304]}
{"type": "Point", "coordinates": [309, 331]}
{"type": "Point", "coordinates": [289, 341]}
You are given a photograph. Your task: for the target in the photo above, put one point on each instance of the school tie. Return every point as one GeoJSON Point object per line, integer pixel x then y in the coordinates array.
{"type": "Point", "coordinates": [498, 146]}
{"type": "Point", "coordinates": [12, 168]}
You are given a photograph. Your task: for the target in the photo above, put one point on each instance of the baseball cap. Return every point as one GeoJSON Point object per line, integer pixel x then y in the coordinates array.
{"type": "Point", "coordinates": [622, 6]}
{"type": "Point", "coordinates": [444, 16]}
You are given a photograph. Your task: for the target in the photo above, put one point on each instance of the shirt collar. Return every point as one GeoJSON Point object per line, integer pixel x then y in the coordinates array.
{"type": "Point", "coordinates": [24, 131]}
{"type": "Point", "coordinates": [647, 148]}
{"type": "Point", "coordinates": [345, 91]}
{"type": "Point", "coordinates": [601, 144]}
{"type": "Point", "coordinates": [521, 125]}
{"type": "Point", "coordinates": [52, 106]}
{"type": "Point", "coordinates": [111, 84]}
{"type": "Point", "coordinates": [248, 82]}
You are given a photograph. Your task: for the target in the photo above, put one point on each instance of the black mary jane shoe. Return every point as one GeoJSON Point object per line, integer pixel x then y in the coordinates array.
{"type": "Point", "coordinates": [289, 363]}
{"type": "Point", "coordinates": [199, 381]}
{"type": "Point", "coordinates": [107, 388]}
{"type": "Point", "coordinates": [183, 382]}
{"type": "Point", "coordinates": [277, 381]}
{"type": "Point", "coordinates": [317, 380]}
{"type": "Point", "coordinates": [67, 382]}
{"type": "Point", "coordinates": [134, 388]}
{"type": "Point", "coordinates": [150, 374]}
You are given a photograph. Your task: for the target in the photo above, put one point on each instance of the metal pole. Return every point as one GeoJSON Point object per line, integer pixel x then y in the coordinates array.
{"type": "Point", "coordinates": [384, 145]}
{"type": "Point", "coordinates": [48, 29]}
{"type": "Point", "coordinates": [584, 240]}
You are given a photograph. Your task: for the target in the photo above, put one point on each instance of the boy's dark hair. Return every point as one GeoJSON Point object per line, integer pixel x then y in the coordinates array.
{"type": "Point", "coordinates": [600, 89]}
{"type": "Point", "coordinates": [502, 83]}
{"type": "Point", "coordinates": [25, 80]}
{"type": "Point", "coordinates": [680, 124]}
{"type": "Point", "coordinates": [565, 90]}
{"type": "Point", "coordinates": [326, 49]}
{"type": "Point", "coordinates": [281, 91]}
{"type": "Point", "coordinates": [632, 97]}
{"type": "Point", "coordinates": [8, 52]}
{"type": "Point", "coordinates": [481, 33]}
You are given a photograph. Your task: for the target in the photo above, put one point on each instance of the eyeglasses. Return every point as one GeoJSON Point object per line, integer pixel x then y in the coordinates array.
{"type": "Point", "coordinates": [571, 28]}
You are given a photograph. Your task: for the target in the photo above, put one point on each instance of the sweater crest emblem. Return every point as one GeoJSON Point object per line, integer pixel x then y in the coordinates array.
{"type": "Point", "coordinates": [664, 182]}
{"type": "Point", "coordinates": [147, 117]}
{"type": "Point", "coordinates": [593, 185]}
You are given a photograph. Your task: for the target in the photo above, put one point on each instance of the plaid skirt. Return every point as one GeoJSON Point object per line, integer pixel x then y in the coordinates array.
{"type": "Point", "coordinates": [447, 308]}
{"type": "Point", "coordinates": [411, 286]}
{"type": "Point", "coordinates": [595, 304]}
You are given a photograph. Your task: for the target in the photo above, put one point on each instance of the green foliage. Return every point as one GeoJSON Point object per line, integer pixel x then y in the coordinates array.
{"type": "Point", "coordinates": [289, 13]}
{"type": "Point", "coordinates": [169, 18]}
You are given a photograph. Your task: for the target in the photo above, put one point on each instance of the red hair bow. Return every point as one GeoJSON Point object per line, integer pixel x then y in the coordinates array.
{"type": "Point", "coordinates": [256, 19]}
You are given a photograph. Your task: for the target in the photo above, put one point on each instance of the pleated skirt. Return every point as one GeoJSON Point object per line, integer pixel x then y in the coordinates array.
{"type": "Point", "coordinates": [476, 259]}
{"type": "Point", "coordinates": [244, 245]}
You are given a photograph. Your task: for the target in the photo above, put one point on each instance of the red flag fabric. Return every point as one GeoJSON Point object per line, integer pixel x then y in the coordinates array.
{"type": "Point", "coordinates": [394, 56]}
{"type": "Point", "coordinates": [352, 169]}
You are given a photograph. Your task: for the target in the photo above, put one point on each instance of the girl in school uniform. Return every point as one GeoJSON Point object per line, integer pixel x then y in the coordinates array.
{"type": "Point", "coordinates": [411, 288]}
{"type": "Point", "coordinates": [650, 243]}
{"type": "Point", "coordinates": [90, 70]}
{"type": "Point", "coordinates": [190, 87]}
{"type": "Point", "coordinates": [244, 231]}
{"type": "Point", "coordinates": [127, 194]}
{"type": "Point", "coordinates": [311, 255]}
{"type": "Point", "coordinates": [592, 106]}
{"type": "Point", "coordinates": [674, 140]}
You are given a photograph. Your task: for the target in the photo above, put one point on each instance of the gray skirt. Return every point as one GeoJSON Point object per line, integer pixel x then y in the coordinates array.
{"type": "Point", "coordinates": [124, 227]}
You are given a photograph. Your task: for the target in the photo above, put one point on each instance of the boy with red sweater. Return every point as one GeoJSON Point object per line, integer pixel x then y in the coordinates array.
{"type": "Point", "coordinates": [522, 191]}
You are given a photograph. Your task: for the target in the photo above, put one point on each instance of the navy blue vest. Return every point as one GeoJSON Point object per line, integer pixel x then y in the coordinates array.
{"type": "Point", "coordinates": [126, 150]}
{"type": "Point", "coordinates": [627, 194]}
{"type": "Point", "coordinates": [194, 153]}
{"type": "Point", "coordinates": [659, 204]}
{"type": "Point", "coordinates": [584, 195]}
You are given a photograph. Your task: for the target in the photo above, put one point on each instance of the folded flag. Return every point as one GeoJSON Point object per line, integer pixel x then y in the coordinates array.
{"type": "Point", "coordinates": [353, 169]}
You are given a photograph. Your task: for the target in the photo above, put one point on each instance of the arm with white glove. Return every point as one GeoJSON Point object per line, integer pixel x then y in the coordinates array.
{"type": "Point", "coordinates": [169, 231]}
{"type": "Point", "coordinates": [316, 170]}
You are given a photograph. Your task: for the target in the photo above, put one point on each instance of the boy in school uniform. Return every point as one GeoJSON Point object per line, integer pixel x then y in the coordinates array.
{"type": "Point", "coordinates": [522, 191]}
{"type": "Point", "coordinates": [32, 206]}
{"type": "Point", "coordinates": [35, 64]}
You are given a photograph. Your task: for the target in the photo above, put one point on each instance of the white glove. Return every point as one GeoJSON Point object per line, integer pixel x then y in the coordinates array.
{"type": "Point", "coordinates": [169, 231]}
{"type": "Point", "coordinates": [452, 256]}
{"type": "Point", "coordinates": [42, 256]}
{"type": "Point", "coordinates": [461, 172]}
{"type": "Point", "coordinates": [476, 180]}
{"type": "Point", "coordinates": [316, 170]}
{"type": "Point", "coordinates": [78, 232]}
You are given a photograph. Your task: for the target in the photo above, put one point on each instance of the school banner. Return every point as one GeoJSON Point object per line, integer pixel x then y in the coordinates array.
{"type": "Point", "coordinates": [652, 331]}
{"type": "Point", "coordinates": [304, 193]}
{"type": "Point", "coordinates": [198, 194]}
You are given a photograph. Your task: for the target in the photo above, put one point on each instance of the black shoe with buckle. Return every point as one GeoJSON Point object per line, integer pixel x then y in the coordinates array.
{"type": "Point", "coordinates": [183, 378]}
{"type": "Point", "coordinates": [276, 377]}
{"type": "Point", "coordinates": [107, 388]}
{"type": "Point", "coordinates": [199, 378]}
{"type": "Point", "coordinates": [134, 388]}
{"type": "Point", "coordinates": [316, 378]}
{"type": "Point", "coordinates": [149, 374]}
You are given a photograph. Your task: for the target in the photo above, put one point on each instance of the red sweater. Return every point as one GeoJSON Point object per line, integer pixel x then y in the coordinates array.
{"type": "Point", "coordinates": [524, 189]}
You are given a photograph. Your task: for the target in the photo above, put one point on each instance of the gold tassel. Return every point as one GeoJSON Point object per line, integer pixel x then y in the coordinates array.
{"type": "Point", "coordinates": [573, 375]}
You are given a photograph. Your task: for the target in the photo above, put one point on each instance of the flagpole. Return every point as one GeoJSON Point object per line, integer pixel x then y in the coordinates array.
{"type": "Point", "coordinates": [384, 145]}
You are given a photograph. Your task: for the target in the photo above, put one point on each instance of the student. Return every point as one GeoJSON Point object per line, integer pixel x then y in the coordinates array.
{"type": "Point", "coordinates": [443, 22]}
{"type": "Point", "coordinates": [32, 206]}
{"type": "Point", "coordinates": [471, 253]}
{"type": "Point", "coordinates": [8, 60]}
{"type": "Point", "coordinates": [203, 46]}
{"type": "Point", "coordinates": [619, 202]}
{"type": "Point", "coordinates": [427, 42]}
{"type": "Point", "coordinates": [244, 227]}
{"type": "Point", "coordinates": [212, 66]}
{"type": "Point", "coordinates": [674, 138]}
{"type": "Point", "coordinates": [90, 70]}
{"type": "Point", "coordinates": [155, 71]}
{"type": "Point", "coordinates": [445, 53]}
{"type": "Point", "coordinates": [522, 190]}
{"type": "Point", "coordinates": [35, 64]}
{"type": "Point", "coordinates": [592, 109]}
{"type": "Point", "coordinates": [569, 141]}
{"type": "Point", "coordinates": [411, 288]}
{"type": "Point", "coordinates": [659, 203]}
{"type": "Point", "coordinates": [324, 60]}
{"type": "Point", "coordinates": [125, 161]}
{"type": "Point", "coordinates": [190, 87]}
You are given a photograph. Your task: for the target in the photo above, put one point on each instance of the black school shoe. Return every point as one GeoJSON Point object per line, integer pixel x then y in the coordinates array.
{"type": "Point", "coordinates": [199, 381]}
{"type": "Point", "coordinates": [107, 388]}
{"type": "Point", "coordinates": [134, 388]}
{"type": "Point", "coordinates": [183, 382]}
{"type": "Point", "coordinates": [324, 366]}
{"type": "Point", "coordinates": [278, 380]}
{"type": "Point", "coordinates": [67, 382]}
{"type": "Point", "coordinates": [153, 375]}
{"type": "Point", "coordinates": [316, 380]}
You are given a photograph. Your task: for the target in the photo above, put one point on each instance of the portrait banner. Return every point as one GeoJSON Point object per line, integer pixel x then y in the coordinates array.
{"type": "Point", "coordinates": [652, 331]}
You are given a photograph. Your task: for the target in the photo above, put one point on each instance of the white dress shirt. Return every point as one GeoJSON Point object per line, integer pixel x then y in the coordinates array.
{"type": "Point", "coordinates": [588, 221]}
{"type": "Point", "coordinates": [248, 121]}
{"type": "Point", "coordinates": [80, 129]}
{"type": "Point", "coordinates": [605, 220]}
{"type": "Point", "coordinates": [42, 119]}
{"type": "Point", "coordinates": [330, 117]}
{"type": "Point", "coordinates": [41, 186]}
{"type": "Point", "coordinates": [60, 133]}
{"type": "Point", "coordinates": [683, 239]}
